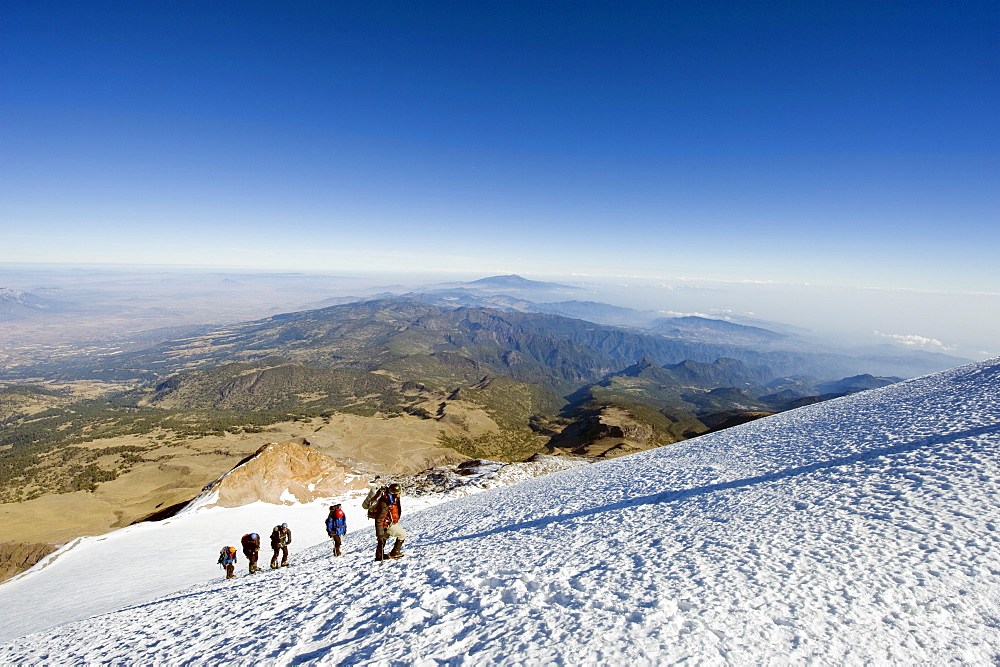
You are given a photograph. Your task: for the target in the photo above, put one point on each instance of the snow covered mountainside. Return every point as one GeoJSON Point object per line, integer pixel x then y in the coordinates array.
{"type": "Point", "coordinates": [863, 529]}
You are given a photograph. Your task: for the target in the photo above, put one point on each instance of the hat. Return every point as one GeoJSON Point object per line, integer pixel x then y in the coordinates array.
{"type": "Point", "coordinates": [284, 525]}
{"type": "Point", "coordinates": [394, 488]}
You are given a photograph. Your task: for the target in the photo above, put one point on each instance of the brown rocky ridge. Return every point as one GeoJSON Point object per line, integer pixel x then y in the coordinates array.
{"type": "Point", "coordinates": [16, 557]}
{"type": "Point", "coordinates": [282, 474]}
{"type": "Point", "coordinates": [610, 432]}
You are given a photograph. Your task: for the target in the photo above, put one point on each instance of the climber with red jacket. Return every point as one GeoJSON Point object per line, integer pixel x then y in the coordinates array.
{"type": "Point", "coordinates": [386, 509]}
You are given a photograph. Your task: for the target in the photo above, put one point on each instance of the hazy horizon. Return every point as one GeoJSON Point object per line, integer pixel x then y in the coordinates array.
{"type": "Point", "coordinates": [965, 325]}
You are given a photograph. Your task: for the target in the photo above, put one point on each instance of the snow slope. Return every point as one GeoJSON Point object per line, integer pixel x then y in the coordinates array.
{"type": "Point", "coordinates": [94, 575]}
{"type": "Point", "coordinates": [137, 564]}
{"type": "Point", "coordinates": [862, 529]}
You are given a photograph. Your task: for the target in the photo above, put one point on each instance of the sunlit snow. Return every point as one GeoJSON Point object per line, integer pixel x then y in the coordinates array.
{"type": "Point", "coordinates": [864, 529]}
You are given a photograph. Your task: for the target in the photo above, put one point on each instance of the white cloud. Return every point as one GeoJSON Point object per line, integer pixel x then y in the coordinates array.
{"type": "Point", "coordinates": [914, 340]}
{"type": "Point", "coordinates": [674, 313]}
{"type": "Point", "coordinates": [915, 290]}
{"type": "Point", "coordinates": [726, 315]}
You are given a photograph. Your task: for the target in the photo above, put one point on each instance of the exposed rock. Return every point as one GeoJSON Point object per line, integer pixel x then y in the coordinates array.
{"type": "Point", "coordinates": [16, 557]}
{"type": "Point", "coordinates": [283, 474]}
{"type": "Point", "coordinates": [609, 432]}
{"type": "Point", "coordinates": [726, 420]}
{"type": "Point", "coordinates": [477, 474]}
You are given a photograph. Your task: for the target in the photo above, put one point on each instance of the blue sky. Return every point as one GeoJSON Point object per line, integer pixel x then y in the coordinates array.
{"type": "Point", "coordinates": [851, 143]}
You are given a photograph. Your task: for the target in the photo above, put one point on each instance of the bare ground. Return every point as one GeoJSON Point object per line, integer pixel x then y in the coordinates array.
{"type": "Point", "coordinates": [177, 469]}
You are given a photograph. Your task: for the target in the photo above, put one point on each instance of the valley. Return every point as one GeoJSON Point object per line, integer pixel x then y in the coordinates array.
{"type": "Point", "coordinates": [390, 385]}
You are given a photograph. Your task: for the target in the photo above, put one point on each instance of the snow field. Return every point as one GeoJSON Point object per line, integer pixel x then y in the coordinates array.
{"type": "Point", "coordinates": [855, 531]}
{"type": "Point", "coordinates": [95, 575]}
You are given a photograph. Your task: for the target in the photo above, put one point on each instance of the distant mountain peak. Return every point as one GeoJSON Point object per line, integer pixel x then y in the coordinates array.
{"type": "Point", "coordinates": [644, 367]}
{"type": "Point", "coordinates": [15, 301]}
{"type": "Point", "coordinates": [515, 281]}
{"type": "Point", "coordinates": [644, 363]}
{"type": "Point", "coordinates": [512, 279]}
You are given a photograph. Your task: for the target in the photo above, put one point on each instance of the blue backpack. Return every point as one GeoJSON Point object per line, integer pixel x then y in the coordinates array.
{"type": "Point", "coordinates": [227, 556]}
{"type": "Point", "coordinates": [337, 524]}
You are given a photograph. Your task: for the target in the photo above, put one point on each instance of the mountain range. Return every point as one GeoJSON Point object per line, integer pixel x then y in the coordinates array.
{"type": "Point", "coordinates": [15, 304]}
{"type": "Point", "coordinates": [394, 384]}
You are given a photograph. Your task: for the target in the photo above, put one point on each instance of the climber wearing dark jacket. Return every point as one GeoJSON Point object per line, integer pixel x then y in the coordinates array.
{"type": "Point", "coordinates": [251, 549]}
{"type": "Point", "coordinates": [387, 510]}
{"type": "Point", "coordinates": [281, 537]}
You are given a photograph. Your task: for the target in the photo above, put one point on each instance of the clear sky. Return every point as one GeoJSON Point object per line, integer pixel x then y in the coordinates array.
{"type": "Point", "coordinates": [846, 143]}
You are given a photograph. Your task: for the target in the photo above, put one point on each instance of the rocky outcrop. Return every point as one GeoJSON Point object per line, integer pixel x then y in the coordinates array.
{"type": "Point", "coordinates": [608, 432]}
{"type": "Point", "coordinates": [723, 421]}
{"type": "Point", "coordinates": [282, 474]}
{"type": "Point", "coordinates": [16, 557]}
{"type": "Point", "coordinates": [475, 474]}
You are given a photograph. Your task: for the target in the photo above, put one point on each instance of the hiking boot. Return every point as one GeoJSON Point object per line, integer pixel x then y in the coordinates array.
{"type": "Point", "coordinates": [285, 564]}
{"type": "Point", "coordinates": [395, 556]}
{"type": "Point", "coordinates": [273, 566]}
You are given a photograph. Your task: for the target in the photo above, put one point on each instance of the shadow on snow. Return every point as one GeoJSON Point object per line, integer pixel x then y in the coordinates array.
{"type": "Point", "coordinates": [689, 494]}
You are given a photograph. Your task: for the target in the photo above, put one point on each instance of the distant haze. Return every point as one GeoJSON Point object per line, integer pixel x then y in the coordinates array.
{"type": "Point", "coordinates": [961, 324]}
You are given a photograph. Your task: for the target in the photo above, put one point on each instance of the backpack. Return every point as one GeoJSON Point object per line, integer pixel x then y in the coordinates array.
{"type": "Point", "coordinates": [337, 522]}
{"type": "Point", "coordinates": [227, 555]}
{"type": "Point", "coordinates": [371, 502]}
{"type": "Point", "coordinates": [281, 536]}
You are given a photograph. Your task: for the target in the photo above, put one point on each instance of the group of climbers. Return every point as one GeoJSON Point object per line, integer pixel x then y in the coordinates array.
{"type": "Point", "coordinates": [383, 505]}
{"type": "Point", "coordinates": [281, 537]}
